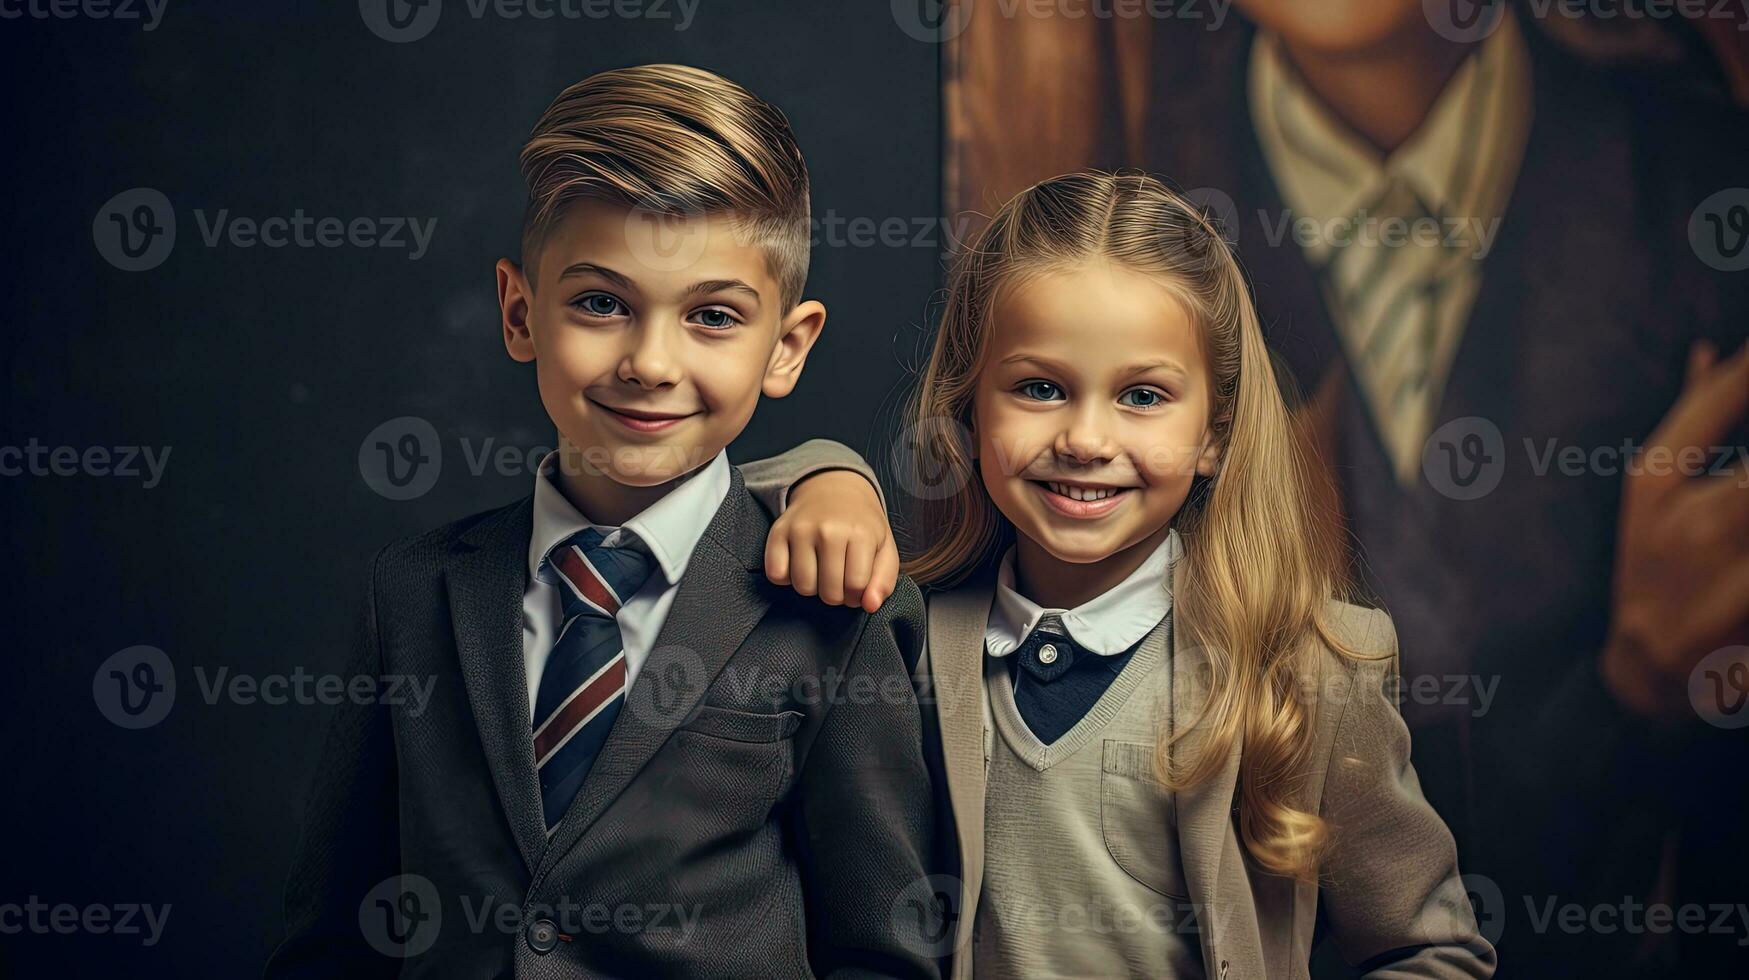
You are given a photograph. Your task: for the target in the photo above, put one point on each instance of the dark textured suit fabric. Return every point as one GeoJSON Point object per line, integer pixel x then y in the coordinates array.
{"type": "Point", "coordinates": [765, 776]}
{"type": "Point", "coordinates": [1589, 302]}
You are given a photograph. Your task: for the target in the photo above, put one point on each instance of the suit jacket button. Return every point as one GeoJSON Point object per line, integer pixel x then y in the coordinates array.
{"type": "Point", "coordinates": [542, 936]}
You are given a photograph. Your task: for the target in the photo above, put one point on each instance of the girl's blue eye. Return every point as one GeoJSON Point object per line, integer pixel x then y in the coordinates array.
{"type": "Point", "coordinates": [716, 319]}
{"type": "Point", "coordinates": [1141, 398]}
{"type": "Point", "coordinates": [600, 304]}
{"type": "Point", "coordinates": [1043, 391]}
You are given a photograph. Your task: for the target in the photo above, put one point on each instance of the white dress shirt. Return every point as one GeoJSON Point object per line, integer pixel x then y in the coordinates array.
{"type": "Point", "coordinates": [1400, 309]}
{"type": "Point", "coordinates": [669, 529]}
{"type": "Point", "coordinates": [1107, 624]}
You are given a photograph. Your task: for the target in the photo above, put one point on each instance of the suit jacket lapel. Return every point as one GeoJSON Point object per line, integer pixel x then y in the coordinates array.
{"type": "Point", "coordinates": [956, 665]}
{"type": "Point", "coordinates": [486, 582]}
{"type": "Point", "coordinates": [718, 604]}
{"type": "Point", "coordinates": [1214, 867]}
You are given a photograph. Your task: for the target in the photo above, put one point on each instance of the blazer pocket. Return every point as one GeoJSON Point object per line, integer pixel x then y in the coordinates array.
{"type": "Point", "coordinates": [1138, 818]}
{"type": "Point", "coordinates": [743, 726]}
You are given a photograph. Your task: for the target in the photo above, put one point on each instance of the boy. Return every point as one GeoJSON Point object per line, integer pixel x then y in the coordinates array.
{"type": "Point", "coordinates": [640, 758]}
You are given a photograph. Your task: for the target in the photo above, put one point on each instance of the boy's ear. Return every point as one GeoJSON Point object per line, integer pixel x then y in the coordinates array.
{"type": "Point", "coordinates": [514, 298]}
{"type": "Point", "coordinates": [796, 336]}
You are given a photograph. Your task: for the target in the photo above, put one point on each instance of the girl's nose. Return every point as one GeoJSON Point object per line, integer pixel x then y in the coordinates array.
{"type": "Point", "coordinates": [1086, 439]}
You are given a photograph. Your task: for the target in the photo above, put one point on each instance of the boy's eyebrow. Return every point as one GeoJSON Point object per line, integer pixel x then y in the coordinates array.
{"type": "Point", "coordinates": [587, 268]}
{"type": "Point", "coordinates": [721, 285]}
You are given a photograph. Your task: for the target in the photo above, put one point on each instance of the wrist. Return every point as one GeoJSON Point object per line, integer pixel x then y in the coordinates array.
{"type": "Point", "coordinates": [1630, 681]}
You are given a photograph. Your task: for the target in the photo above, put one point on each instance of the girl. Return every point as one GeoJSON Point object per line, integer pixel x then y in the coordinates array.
{"type": "Point", "coordinates": [1170, 752]}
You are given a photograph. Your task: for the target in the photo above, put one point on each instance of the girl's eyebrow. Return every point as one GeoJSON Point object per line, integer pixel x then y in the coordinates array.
{"type": "Point", "coordinates": [1043, 362]}
{"type": "Point", "coordinates": [1170, 367]}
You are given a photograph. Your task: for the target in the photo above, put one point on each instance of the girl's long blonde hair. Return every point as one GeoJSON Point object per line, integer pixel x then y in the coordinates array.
{"type": "Point", "coordinates": [1262, 556]}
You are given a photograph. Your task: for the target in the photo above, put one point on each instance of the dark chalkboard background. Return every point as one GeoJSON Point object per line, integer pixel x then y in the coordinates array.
{"type": "Point", "coordinates": [262, 370]}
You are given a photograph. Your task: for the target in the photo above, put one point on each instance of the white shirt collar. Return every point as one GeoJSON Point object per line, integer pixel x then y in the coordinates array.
{"type": "Point", "coordinates": [670, 528]}
{"type": "Point", "coordinates": [1107, 624]}
{"type": "Point", "coordinates": [1462, 162]}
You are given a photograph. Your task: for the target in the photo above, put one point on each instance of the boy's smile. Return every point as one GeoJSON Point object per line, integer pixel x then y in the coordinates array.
{"type": "Point", "coordinates": [653, 337]}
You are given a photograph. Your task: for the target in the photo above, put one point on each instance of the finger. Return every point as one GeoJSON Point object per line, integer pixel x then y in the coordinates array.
{"type": "Point", "coordinates": [1702, 355]}
{"type": "Point", "coordinates": [1722, 607]}
{"type": "Point", "coordinates": [884, 577]}
{"type": "Point", "coordinates": [859, 557]}
{"type": "Point", "coordinates": [1699, 418]}
{"type": "Point", "coordinates": [777, 556]}
{"type": "Point", "coordinates": [1721, 503]}
{"type": "Point", "coordinates": [803, 570]}
{"type": "Point", "coordinates": [831, 560]}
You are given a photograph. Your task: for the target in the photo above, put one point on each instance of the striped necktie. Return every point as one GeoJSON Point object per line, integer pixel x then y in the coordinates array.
{"type": "Point", "coordinates": [1388, 298]}
{"type": "Point", "coordinates": [584, 682]}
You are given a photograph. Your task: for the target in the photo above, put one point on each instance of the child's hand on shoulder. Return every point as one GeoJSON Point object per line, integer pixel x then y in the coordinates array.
{"type": "Point", "coordinates": [833, 541]}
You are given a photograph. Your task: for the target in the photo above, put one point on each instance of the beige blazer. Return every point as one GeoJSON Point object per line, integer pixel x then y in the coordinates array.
{"type": "Point", "coordinates": [1390, 887]}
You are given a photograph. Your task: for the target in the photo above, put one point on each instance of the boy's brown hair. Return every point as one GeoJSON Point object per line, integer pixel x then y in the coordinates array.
{"type": "Point", "coordinates": [672, 139]}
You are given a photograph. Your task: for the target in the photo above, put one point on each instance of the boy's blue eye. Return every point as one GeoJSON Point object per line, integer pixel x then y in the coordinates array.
{"type": "Point", "coordinates": [715, 319]}
{"type": "Point", "coordinates": [1043, 391]}
{"type": "Point", "coordinates": [1141, 398]}
{"type": "Point", "coordinates": [600, 304]}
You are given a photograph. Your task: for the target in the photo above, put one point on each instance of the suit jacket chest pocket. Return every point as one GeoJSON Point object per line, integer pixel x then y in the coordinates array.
{"type": "Point", "coordinates": [739, 763]}
{"type": "Point", "coordinates": [1138, 818]}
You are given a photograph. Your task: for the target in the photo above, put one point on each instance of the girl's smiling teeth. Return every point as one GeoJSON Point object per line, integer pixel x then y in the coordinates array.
{"type": "Point", "coordinates": [1074, 492]}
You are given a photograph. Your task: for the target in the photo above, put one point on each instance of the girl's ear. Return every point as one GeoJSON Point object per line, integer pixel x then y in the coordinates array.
{"type": "Point", "coordinates": [1208, 462]}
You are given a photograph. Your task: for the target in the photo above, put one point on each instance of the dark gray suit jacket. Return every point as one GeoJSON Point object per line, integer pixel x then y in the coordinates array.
{"type": "Point", "coordinates": [759, 809]}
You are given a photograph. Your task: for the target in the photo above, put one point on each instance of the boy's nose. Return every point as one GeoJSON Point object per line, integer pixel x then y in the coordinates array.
{"type": "Point", "coordinates": [651, 362]}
